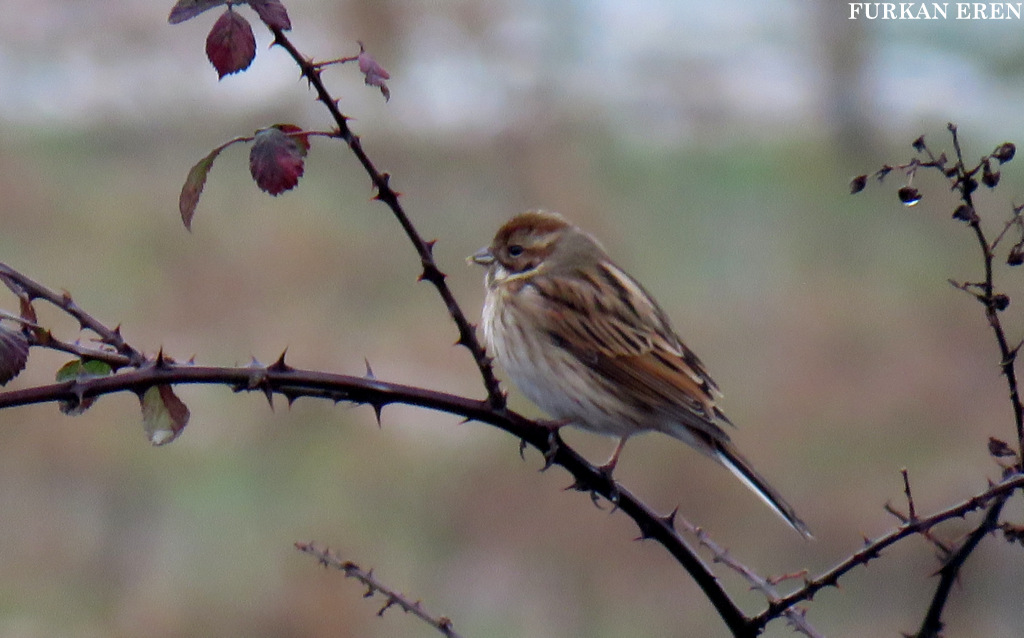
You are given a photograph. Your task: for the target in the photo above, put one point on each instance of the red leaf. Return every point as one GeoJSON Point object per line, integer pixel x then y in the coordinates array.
{"type": "Point", "coordinates": [231, 46]}
{"type": "Point", "coordinates": [296, 133]}
{"type": "Point", "coordinates": [188, 9]}
{"type": "Point", "coordinates": [164, 416]}
{"type": "Point", "coordinates": [272, 12]}
{"type": "Point", "coordinates": [373, 73]}
{"type": "Point", "coordinates": [275, 160]}
{"type": "Point", "coordinates": [13, 354]}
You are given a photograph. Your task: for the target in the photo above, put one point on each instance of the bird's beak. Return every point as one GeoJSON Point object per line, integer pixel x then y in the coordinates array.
{"type": "Point", "coordinates": [483, 257]}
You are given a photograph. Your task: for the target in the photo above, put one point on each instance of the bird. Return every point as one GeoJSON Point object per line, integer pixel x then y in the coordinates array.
{"type": "Point", "coordinates": [586, 343]}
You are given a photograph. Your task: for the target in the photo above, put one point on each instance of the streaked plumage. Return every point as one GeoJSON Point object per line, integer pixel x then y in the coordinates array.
{"type": "Point", "coordinates": [586, 343]}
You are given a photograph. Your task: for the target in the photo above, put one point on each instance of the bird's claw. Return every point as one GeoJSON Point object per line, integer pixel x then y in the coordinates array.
{"type": "Point", "coordinates": [552, 451]}
{"type": "Point", "coordinates": [613, 487]}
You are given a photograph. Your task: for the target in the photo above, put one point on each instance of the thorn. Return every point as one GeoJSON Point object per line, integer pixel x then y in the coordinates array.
{"type": "Point", "coordinates": [290, 397]}
{"type": "Point", "coordinates": [644, 536]}
{"type": "Point", "coordinates": [280, 365]}
{"type": "Point", "coordinates": [369, 371]}
{"type": "Point", "coordinates": [576, 486]}
{"type": "Point", "coordinates": [161, 361]}
{"type": "Point", "coordinates": [269, 393]}
{"type": "Point", "coordinates": [391, 602]}
{"type": "Point", "coordinates": [378, 407]}
{"type": "Point", "coordinates": [254, 363]}
{"type": "Point", "coordinates": [670, 518]}
{"type": "Point", "coordinates": [463, 339]}
{"type": "Point", "coordinates": [522, 449]}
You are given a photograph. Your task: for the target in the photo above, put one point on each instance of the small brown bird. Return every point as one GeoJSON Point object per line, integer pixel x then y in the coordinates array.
{"type": "Point", "coordinates": [586, 343]}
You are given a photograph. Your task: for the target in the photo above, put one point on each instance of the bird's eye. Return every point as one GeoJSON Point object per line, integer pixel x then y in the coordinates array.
{"type": "Point", "coordinates": [515, 250]}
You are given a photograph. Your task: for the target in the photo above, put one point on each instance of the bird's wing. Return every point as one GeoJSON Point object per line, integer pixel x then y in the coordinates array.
{"type": "Point", "coordinates": [613, 326]}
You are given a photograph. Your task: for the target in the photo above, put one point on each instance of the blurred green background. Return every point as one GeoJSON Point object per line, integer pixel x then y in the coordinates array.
{"type": "Point", "coordinates": [709, 146]}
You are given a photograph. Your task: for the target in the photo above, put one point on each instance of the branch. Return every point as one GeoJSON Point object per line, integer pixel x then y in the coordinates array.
{"type": "Point", "coordinates": [797, 618]}
{"type": "Point", "coordinates": [292, 383]}
{"type": "Point", "coordinates": [425, 249]}
{"type": "Point", "coordinates": [374, 586]}
{"type": "Point", "coordinates": [873, 549]}
{"type": "Point", "coordinates": [932, 623]}
{"type": "Point", "coordinates": [28, 290]}
{"type": "Point", "coordinates": [964, 181]}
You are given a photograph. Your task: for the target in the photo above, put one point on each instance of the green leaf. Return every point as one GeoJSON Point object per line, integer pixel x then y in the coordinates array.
{"type": "Point", "coordinates": [79, 370]}
{"type": "Point", "coordinates": [193, 187]}
{"type": "Point", "coordinates": [164, 416]}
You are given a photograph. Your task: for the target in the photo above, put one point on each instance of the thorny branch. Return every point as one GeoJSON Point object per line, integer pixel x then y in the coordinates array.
{"type": "Point", "coordinates": [28, 291]}
{"type": "Point", "coordinates": [292, 383]}
{"type": "Point", "coordinates": [965, 182]}
{"type": "Point", "coordinates": [873, 549]}
{"type": "Point", "coordinates": [963, 179]}
{"type": "Point", "coordinates": [327, 558]}
{"type": "Point", "coordinates": [932, 624]}
{"type": "Point", "coordinates": [390, 197]}
{"type": "Point", "coordinates": [796, 617]}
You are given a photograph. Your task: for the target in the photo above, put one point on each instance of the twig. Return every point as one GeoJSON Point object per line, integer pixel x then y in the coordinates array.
{"type": "Point", "coordinates": [962, 179]}
{"type": "Point", "coordinates": [873, 549]}
{"type": "Point", "coordinates": [425, 249]}
{"type": "Point", "coordinates": [796, 617]}
{"type": "Point", "coordinates": [30, 290]}
{"type": "Point", "coordinates": [911, 516]}
{"type": "Point", "coordinates": [374, 586]}
{"type": "Point", "coordinates": [932, 623]}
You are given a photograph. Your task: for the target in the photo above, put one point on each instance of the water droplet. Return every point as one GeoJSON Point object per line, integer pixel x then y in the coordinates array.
{"type": "Point", "coordinates": [909, 195]}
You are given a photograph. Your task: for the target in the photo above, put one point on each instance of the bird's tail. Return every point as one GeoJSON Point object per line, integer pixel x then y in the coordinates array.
{"type": "Point", "coordinates": [738, 465]}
